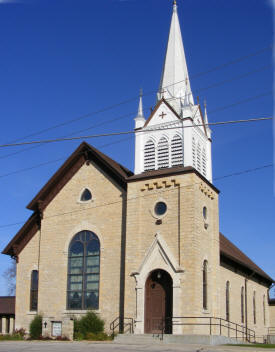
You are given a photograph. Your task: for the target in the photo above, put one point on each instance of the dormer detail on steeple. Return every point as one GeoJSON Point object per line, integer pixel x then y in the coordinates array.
{"type": "Point", "coordinates": [175, 133]}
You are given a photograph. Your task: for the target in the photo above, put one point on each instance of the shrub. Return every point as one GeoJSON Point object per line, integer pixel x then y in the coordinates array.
{"type": "Point", "coordinates": [101, 336]}
{"type": "Point", "coordinates": [78, 336]}
{"type": "Point", "coordinates": [36, 328]}
{"type": "Point", "coordinates": [89, 323]}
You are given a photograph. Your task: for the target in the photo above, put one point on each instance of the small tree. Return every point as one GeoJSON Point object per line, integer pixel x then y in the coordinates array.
{"type": "Point", "coordinates": [36, 327]}
{"type": "Point", "coordinates": [10, 277]}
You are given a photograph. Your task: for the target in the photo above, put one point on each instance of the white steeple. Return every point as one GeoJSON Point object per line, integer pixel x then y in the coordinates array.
{"type": "Point", "coordinates": [173, 135]}
{"type": "Point", "coordinates": [174, 84]}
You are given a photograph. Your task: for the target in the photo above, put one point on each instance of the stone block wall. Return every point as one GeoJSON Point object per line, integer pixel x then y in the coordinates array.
{"type": "Point", "coordinates": [47, 251]}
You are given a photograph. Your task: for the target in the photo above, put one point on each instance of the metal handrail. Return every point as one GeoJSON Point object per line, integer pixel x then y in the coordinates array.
{"type": "Point", "coordinates": [120, 322]}
{"type": "Point", "coordinates": [246, 333]}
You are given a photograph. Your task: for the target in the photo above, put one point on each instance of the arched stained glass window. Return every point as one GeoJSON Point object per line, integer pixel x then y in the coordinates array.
{"type": "Point", "coordinates": [149, 156]}
{"type": "Point", "coordinates": [254, 307]}
{"type": "Point", "coordinates": [163, 153]}
{"type": "Point", "coordinates": [227, 314]}
{"type": "Point", "coordinates": [34, 291]}
{"type": "Point", "coordinates": [204, 285]}
{"type": "Point", "coordinates": [83, 271]}
{"type": "Point", "coordinates": [242, 304]}
{"type": "Point", "coordinates": [264, 309]}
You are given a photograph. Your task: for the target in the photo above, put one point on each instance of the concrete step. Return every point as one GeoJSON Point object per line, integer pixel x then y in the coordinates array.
{"type": "Point", "coordinates": [137, 339]}
{"type": "Point", "coordinates": [144, 339]}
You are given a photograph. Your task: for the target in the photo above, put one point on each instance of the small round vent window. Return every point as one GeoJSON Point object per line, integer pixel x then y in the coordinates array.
{"type": "Point", "coordinates": [86, 195]}
{"type": "Point", "coordinates": [160, 208]}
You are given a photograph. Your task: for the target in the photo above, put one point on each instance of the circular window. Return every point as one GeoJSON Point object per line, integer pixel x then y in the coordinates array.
{"type": "Point", "coordinates": [160, 208]}
{"type": "Point", "coordinates": [204, 212]}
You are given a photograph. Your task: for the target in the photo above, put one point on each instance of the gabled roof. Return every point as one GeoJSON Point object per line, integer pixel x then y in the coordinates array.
{"type": "Point", "coordinates": [162, 100]}
{"type": "Point", "coordinates": [230, 251]}
{"type": "Point", "coordinates": [7, 305]}
{"type": "Point", "coordinates": [122, 176]}
{"type": "Point", "coordinates": [82, 154]}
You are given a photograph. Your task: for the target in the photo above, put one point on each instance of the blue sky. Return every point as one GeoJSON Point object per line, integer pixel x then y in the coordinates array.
{"type": "Point", "coordinates": [62, 59]}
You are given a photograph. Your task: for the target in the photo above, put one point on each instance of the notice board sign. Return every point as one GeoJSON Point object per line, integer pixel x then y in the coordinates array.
{"type": "Point", "coordinates": [56, 328]}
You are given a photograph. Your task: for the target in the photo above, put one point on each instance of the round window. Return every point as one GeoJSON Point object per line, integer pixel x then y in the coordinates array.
{"type": "Point", "coordinates": [160, 208]}
{"type": "Point", "coordinates": [204, 212]}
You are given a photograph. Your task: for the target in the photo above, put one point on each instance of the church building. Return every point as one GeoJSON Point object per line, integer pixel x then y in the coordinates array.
{"type": "Point", "coordinates": [143, 249]}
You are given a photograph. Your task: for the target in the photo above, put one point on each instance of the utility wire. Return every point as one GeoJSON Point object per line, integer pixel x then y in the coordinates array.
{"type": "Point", "coordinates": [102, 123]}
{"type": "Point", "coordinates": [46, 141]}
{"type": "Point", "coordinates": [146, 195]}
{"type": "Point", "coordinates": [125, 139]}
{"type": "Point", "coordinates": [56, 160]}
{"type": "Point", "coordinates": [110, 107]}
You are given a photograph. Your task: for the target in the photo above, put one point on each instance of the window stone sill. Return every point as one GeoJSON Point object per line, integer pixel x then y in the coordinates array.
{"type": "Point", "coordinates": [33, 312]}
{"type": "Point", "coordinates": [81, 311]}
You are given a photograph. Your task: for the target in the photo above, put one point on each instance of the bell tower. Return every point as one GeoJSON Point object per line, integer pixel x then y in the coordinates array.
{"type": "Point", "coordinates": [176, 133]}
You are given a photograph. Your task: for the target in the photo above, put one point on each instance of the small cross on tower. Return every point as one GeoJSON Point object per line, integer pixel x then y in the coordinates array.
{"type": "Point", "coordinates": [162, 115]}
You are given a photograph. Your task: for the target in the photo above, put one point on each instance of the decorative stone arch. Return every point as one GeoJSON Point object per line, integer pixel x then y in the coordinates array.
{"type": "Point", "coordinates": [158, 256]}
{"type": "Point", "coordinates": [83, 226]}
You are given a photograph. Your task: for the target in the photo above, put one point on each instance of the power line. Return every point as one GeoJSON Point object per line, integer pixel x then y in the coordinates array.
{"type": "Point", "coordinates": [125, 139]}
{"type": "Point", "coordinates": [217, 84]}
{"type": "Point", "coordinates": [170, 99]}
{"type": "Point", "coordinates": [146, 195]}
{"type": "Point", "coordinates": [46, 141]}
{"type": "Point", "coordinates": [110, 107]}
{"type": "Point", "coordinates": [56, 160]}
{"type": "Point", "coordinates": [122, 116]}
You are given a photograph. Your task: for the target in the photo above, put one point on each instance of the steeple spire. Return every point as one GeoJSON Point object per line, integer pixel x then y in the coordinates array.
{"type": "Point", "coordinates": [140, 119]}
{"type": "Point", "coordinates": [174, 84]}
{"type": "Point", "coordinates": [140, 106]}
{"type": "Point", "coordinates": [208, 130]}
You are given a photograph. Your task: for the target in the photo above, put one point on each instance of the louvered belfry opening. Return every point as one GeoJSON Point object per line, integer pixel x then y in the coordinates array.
{"type": "Point", "coordinates": [149, 156]}
{"type": "Point", "coordinates": [177, 151]}
{"type": "Point", "coordinates": [163, 153]}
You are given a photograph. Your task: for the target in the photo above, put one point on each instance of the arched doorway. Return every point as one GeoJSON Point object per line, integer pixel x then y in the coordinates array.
{"type": "Point", "coordinates": [158, 302]}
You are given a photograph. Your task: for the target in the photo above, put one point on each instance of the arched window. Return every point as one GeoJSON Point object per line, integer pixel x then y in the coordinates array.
{"type": "Point", "coordinates": [242, 304]}
{"type": "Point", "coordinates": [203, 162]}
{"type": "Point", "coordinates": [264, 309]}
{"type": "Point", "coordinates": [194, 152]}
{"type": "Point", "coordinates": [177, 151]}
{"type": "Point", "coordinates": [83, 271]}
{"type": "Point", "coordinates": [227, 314]}
{"type": "Point", "coordinates": [204, 285]}
{"type": "Point", "coordinates": [254, 307]}
{"type": "Point", "coordinates": [86, 195]}
{"type": "Point", "coordinates": [163, 153]}
{"type": "Point", "coordinates": [149, 156]}
{"type": "Point", "coordinates": [34, 291]}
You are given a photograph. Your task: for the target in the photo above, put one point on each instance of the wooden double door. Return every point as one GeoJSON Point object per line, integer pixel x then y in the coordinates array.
{"type": "Point", "coordinates": [158, 303]}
